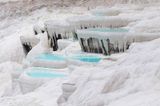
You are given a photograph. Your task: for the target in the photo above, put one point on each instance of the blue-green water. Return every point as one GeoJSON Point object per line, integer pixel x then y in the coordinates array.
{"type": "Point", "coordinates": [108, 29]}
{"type": "Point", "coordinates": [45, 74]}
{"type": "Point", "coordinates": [41, 72]}
{"type": "Point", "coordinates": [52, 57]}
{"type": "Point", "coordinates": [83, 58]}
{"type": "Point", "coordinates": [94, 59]}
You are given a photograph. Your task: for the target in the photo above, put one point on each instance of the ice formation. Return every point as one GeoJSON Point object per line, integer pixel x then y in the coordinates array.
{"type": "Point", "coordinates": [39, 45]}
{"type": "Point", "coordinates": [67, 29]}
{"type": "Point", "coordinates": [111, 40]}
{"type": "Point", "coordinates": [112, 85]}
{"type": "Point", "coordinates": [57, 30]}
{"type": "Point", "coordinates": [89, 21]}
{"type": "Point", "coordinates": [38, 29]}
{"type": "Point", "coordinates": [122, 79]}
{"type": "Point", "coordinates": [105, 11]}
{"type": "Point", "coordinates": [28, 43]}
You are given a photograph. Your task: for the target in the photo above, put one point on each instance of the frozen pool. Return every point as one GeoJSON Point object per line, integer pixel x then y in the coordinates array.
{"type": "Point", "coordinates": [49, 56]}
{"type": "Point", "coordinates": [40, 72]}
{"type": "Point", "coordinates": [93, 59]}
{"type": "Point", "coordinates": [45, 74]}
{"type": "Point", "coordinates": [55, 57]}
{"type": "Point", "coordinates": [108, 29]}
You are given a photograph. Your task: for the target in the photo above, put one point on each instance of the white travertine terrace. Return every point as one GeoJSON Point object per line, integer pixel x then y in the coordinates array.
{"type": "Point", "coordinates": [105, 12]}
{"type": "Point", "coordinates": [107, 40]}
{"type": "Point", "coordinates": [84, 22]}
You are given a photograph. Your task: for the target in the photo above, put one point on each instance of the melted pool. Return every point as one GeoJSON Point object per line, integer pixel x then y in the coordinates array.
{"type": "Point", "coordinates": [82, 58]}
{"type": "Point", "coordinates": [52, 57]}
{"type": "Point", "coordinates": [55, 57]}
{"type": "Point", "coordinates": [41, 72]}
{"type": "Point", "coordinates": [45, 74]}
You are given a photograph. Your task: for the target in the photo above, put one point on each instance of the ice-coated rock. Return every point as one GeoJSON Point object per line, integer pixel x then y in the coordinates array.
{"type": "Point", "coordinates": [67, 87]}
{"type": "Point", "coordinates": [41, 47]}
{"type": "Point", "coordinates": [62, 43]}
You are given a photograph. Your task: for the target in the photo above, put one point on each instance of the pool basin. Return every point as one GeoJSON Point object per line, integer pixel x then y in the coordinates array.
{"type": "Point", "coordinates": [49, 61]}
{"type": "Point", "coordinates": [85, 58]}
{"type": "Point", "coordinates": [33, 78]}
{"type": "Point", "coordinates": [50, 57]}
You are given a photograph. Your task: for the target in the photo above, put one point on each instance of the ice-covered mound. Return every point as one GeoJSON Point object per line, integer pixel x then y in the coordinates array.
{"type": "Point", "coordinates": [41, 47]}
{"type": "Point", "coordinates": [46, 95]}
{"type": "Point", "coordinates": [134, 76]}
{"type": "Point", "coordinates": [8, 72]}
{"type": "Point", "coordinates": [11, 49]}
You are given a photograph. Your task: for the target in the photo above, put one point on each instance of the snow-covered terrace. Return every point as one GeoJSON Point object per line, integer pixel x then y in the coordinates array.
{"type": "Point", "coordinates": [57, 30]}
{"type": "Point", "coordinates": [101, 11]}
{"type": "Point", "coordinates": [111, 40]}
{"type": "Point", "coordinates": [58, 27]}
{"type": "Point", "coordinates": [90, 21]}
{"type": "Point", "coordinates": [66, 29]}
{"type": "Point", "coordinates": [28, 43]}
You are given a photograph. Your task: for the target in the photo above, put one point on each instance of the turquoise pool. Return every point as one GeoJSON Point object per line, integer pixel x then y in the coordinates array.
{"type": "Point", "coordinates": [45, 74]}
{"type": "Point", "coordinates": [83, 58]}
{"type": "Point", "coordinates": [108, 29]}
{"type": "Point", "coordinates": [92, 59]}
{"type": "Point", "coordinates": [52, 57]}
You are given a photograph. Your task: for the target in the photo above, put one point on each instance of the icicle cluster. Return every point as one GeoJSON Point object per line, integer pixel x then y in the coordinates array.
{"type": "Point", "coordinates": [112, 40]}
{"type": "Point", "coordinates": [57, 30]}
{"type": "Point", "coordinates": [28, 43]}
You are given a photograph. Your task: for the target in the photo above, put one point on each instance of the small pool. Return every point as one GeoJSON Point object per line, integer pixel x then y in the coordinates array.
{"type": "Point", "coordinates": [93, 59]}
{"type": "Point", "coordinates": [55, 57]}
{"type": "Point", "coordinates": [45, 74]}
{"type": "Point", "coordinates": [41, 72]}
{"type": "Point", "coordinates": [108, 29]}
{"type": "Point", "coordinates": [51, 57]}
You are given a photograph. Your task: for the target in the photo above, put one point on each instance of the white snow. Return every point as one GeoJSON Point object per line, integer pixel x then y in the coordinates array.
{"type": "Point", "coordinates": [129, 79]}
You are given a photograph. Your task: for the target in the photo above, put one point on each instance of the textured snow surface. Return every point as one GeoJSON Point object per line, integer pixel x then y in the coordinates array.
{"type": "Point", "coordinates": [11, 49]}
{"type": "Point", "coordinates": [133, 78]}
{"type": "Point", "coordinates": [130, 79]}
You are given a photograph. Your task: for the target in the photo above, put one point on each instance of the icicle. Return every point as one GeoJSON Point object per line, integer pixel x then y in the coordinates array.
{"type": "Point", "coordinates": [75, 37]}
{"type": "Point", "coordinates": [83, 46]}
{"type": "Point", "coordinates": [127, 45]}
{"type": "Point", "coordinates": [89, 43]}
{"type": "Point", "coordinates": [117, 48]}
{"type": "Point", "coordinates": [59, 36]}
{"type": "Point", "coordinates": [109, 46]}
{"type": "Point", "coordinates": [103, 48]}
